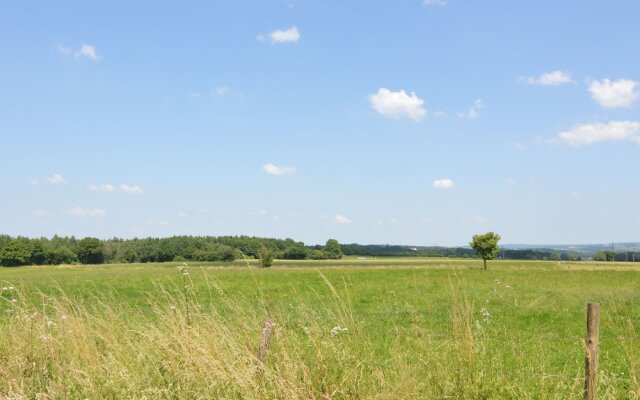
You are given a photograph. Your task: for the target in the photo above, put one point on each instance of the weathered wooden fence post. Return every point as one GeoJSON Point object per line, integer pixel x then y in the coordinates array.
{"type": "Point", "coordinates": [591, 343]}
{"type": "Point", "coordinates": [267, 331]}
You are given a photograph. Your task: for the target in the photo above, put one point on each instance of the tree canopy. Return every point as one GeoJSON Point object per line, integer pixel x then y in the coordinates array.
{"type": "Point", "coordinates": [486, 245]}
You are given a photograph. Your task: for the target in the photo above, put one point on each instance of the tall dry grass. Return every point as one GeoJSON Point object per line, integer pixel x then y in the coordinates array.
{"type": "Point", "coordinates": [178, 346]}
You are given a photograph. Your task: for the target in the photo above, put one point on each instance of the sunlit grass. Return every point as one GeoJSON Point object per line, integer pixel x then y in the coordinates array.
{"type": "Point", "coordinates": [401, 329]}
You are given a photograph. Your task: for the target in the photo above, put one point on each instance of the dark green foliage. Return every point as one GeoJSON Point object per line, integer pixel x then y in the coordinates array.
{"type": "Point", "coordinates": [61, 255]}
{"type": "Point", "coordinates": [486, 245]}
{"type": "Point", "coordinates": [69, 250]}
{"type": "Point", "coordinates": [332, 250]}
{"type": "Point", "coordinates": [266, 257]}
{"type": "Point", "coordinates": [215, 252]}
{"type": "Point", "coordinates": [90, 251]}
{"type": "Point", "coordinates": [604, 256]}
{"type": "Point", "coordinates": [15, 253]}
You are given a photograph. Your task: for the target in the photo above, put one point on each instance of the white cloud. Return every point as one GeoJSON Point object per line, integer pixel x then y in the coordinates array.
{"type": "Point", "coordinates": [88, 51]}
{"type": "Point", "coordinates": [612, 94]}
{"type": "Point", "coordinates": [554, 78]}
{"type": "Point", "coordinates": [40, 213]}
{"type": "Point", "coordinates": [290, 35]}
{"type": "Point", "coordinates": [195, 94]}
{"type": "Point", "coordinates": [397, 104]}
{"type": "Point", "coordinates": [56, 179]}
{"type": "Point", "coordinates": [203, 210]}
{"type": "Point", "coordinates": [106, 187]}
{"type": "Point", "coordinates": [472, 112]}
{"type": "Point", "coordinates": [342, 220]}
{"type": "Point", "coordinates": [183, 214]}
{"type": "Point", "coordinates": [135, 189]}
{"type": "Point", "coordinates": [222, 90]}
{"type": "Point", "coordinates": [34, 182]}
{"type": "Point", "coordinates": [443, 184]}
{"type": "Point", "coordinates": [63, 49]}
{"type": "Point", "coordinates": [510, 181]}
{"type": "Point", "coordinates": [81, 212]}
{"type": "Point", "coordinates": [275, 170]}
{"type": "Point", "coordinates": [434, 2]}
{"type": "Point", "coordinates": [618, 131]}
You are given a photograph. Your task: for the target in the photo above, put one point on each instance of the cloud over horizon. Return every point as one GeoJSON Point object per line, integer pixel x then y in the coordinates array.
{"type": "Point", "coordinates": [81, 212]}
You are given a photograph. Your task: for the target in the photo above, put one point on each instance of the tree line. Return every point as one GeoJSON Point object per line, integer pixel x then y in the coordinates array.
{"type": "Point", "coordinates": [374, 250]}
{"type": "Point", "coordinates": [17, 251]}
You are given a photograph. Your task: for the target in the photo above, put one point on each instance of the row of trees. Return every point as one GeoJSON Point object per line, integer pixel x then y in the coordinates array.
{"type": "Point", "coordinates": [69, 250]}
{"type": "Point", "coordinates": [376, 250]}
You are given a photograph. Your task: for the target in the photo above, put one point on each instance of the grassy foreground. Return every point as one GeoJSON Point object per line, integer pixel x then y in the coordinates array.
{"type": "Point", "coordinates": [353, 329]}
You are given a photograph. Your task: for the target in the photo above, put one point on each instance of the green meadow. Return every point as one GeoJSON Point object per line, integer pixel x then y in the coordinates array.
{"type": "Point", "coordinates": [389, 328]}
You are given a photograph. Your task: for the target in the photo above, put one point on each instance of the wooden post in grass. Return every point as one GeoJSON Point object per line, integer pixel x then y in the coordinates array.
{"type": "Point", "coordinates": [591, 343]}
{"type": "Point", "coordinates": [267, 331]}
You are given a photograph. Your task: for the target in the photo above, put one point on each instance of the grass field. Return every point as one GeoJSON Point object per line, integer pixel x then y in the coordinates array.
{"type": "Point", "coordinates": [389, 328]}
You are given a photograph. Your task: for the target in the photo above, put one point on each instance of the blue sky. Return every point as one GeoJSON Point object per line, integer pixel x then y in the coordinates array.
{"type": "Point", "coordinates": [408, 122]}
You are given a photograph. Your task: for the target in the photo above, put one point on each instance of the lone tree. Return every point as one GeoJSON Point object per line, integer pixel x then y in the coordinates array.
{"type": "Point", "coordinates": [486, 246]}
{"type": "Point", "coordinates": [266, 256]}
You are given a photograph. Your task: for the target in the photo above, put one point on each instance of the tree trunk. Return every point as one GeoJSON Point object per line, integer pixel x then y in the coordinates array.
{"type": "Point", "coordinates": [485, 263]}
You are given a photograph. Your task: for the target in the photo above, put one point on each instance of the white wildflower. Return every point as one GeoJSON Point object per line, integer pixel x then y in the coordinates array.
{"type": "Point", "coordinates": [337, 330]}
{"type": "Point", "coordinates": [485, 313]}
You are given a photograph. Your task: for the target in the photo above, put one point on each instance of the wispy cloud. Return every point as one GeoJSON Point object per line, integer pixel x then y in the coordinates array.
{"type": "Point", "coordinates": [56, 179]}
{"type": "Point", "coordinates": [222, 90]}
{"type": "Point", "coordinates": [614, 94]}
{"type": "Point", "coordinates": [434, 2]}
{"type": "Point", "coordinates": [586, 134]}
{"type": "Point", "coordinates": [105, 187]}
{"type": "Point", "coordinates": [472, 113]}
{"type": "Point", "coordinates": [88, 51]}
{"type": "Point", "coordinates": [63, 49]}
{"type": "Point", "coordinates": [398, 104]}
{"type": "Point", "coordinates": [553, 78]}
{"type": "Point", "coordinates": [275, 170]}
{"type": "Point", "coordinates": [131, 189]}
{"type": "Point", "coordinates": [290, 35]}
{"type": "Point", "coordinates": [40, 213]}
{"type": "Point", "coordinates": [443, 184]}
{"type": "Point", "coordinates": [81, 212]}
{"type": "Point", "coordinates": [341, 220]}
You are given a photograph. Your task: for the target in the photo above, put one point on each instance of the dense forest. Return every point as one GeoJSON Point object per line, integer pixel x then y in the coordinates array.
{"type": "Point", "coordinates": [69, 250]}
{"type": "Point", "coordinates": [16, 251]}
